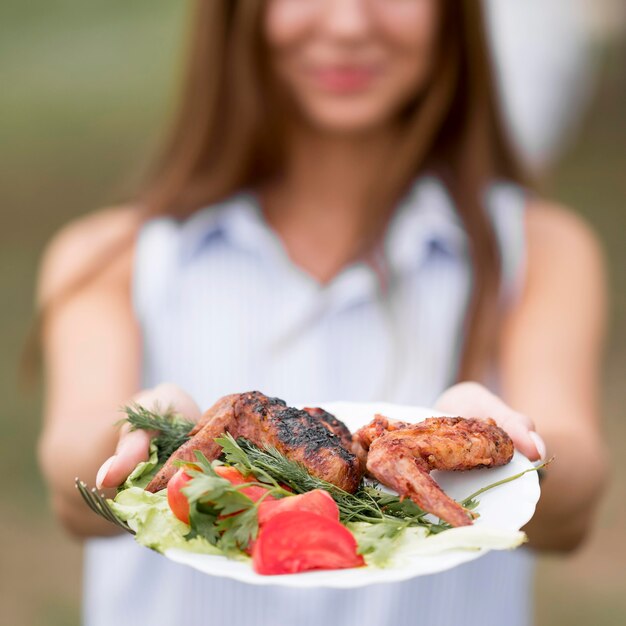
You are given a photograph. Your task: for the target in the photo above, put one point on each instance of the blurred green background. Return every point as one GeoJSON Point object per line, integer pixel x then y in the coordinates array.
{"type": "Point", "coordinates": [84, 90]}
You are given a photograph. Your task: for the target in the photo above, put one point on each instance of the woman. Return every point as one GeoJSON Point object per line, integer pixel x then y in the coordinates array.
{"type": "Point", "coordinates": [337, 215]}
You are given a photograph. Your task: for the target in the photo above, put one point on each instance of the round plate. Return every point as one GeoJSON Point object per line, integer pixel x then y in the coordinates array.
{"type": "Point", "coordinates": [506, 508]}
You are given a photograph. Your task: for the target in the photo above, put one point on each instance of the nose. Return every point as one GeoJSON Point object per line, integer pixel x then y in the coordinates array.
{"type": "Point", "coordinates": [346, 19]}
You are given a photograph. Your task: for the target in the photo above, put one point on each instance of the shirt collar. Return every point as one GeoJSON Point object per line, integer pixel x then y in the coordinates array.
{"type": "Point", "coordinates": [424, 221]}
{"type": "Point", "coordinates": [236, 219]}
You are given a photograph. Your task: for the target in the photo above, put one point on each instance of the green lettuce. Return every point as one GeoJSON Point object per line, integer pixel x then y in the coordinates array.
{"type": "Point", "coordinates": [382, 545]}
{"type": "Point", "coordinates": [144, 472]}
{"type": "Point", "coordinates": [156, 527]}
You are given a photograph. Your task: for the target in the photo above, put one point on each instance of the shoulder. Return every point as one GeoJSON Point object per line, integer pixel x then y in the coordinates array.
{"type": "Point", "coordinates": [558, 236]}
{"type": "Point", "coordinates": [99, 244]}
{"type": "Point", "coordinates": [565, 259]}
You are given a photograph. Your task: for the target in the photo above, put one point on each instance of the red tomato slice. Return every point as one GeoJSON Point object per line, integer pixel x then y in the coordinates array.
{"type": "Point", "coordinates": [316, 501]}
{"type": "Point", "coordinates": [176, 498]}
{"type": "Point", "coordinates": [299, 541]}
{"type": "Point", "coordinates": [235, 477]}
{"type": "Point", "coordinates": [178, 501]}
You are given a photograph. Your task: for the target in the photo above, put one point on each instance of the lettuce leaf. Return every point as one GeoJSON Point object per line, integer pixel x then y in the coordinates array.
{"type": "Point", "coordinates": [383, 546]}
{"type": "Point", "coordinates": [144, 472]}
{"type": "Point", "coordinates": [156, 527]}
{"type": "Point", "coordinates": [476, 537]}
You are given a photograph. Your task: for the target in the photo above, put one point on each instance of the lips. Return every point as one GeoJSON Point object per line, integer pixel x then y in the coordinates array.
{"type": "Point", "coordinates": [343, 79]}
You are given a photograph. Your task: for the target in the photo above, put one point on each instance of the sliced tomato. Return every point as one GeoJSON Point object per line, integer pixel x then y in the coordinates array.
{"type": "Point", "coordinates": [235, 477]}
{"type": "Point", "coordinates": [176, 498]}
{"type": "Point", "coordinates": [316, 501]}
{"type": "Point", "coordinates": [299, 541]}
{"type": "Point", "coordinates": [178, 501]}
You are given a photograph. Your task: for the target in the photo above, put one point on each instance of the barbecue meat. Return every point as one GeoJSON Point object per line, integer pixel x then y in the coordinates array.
{"type": "Point", "coordinates": [337, 427]}
{"type": "Point", "coordinates": [401, 455]}
{"type": "Point", "coordinates": [213, 423]}
{"type": "Point", "coordinates": [264, 421]}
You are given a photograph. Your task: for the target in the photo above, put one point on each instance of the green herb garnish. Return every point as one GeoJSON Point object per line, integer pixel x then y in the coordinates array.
{"type": "Point", "coordinates": [219, 510]}
{"type": "Point", "coordinates": [368, 504]}
{"type": "Point", "coordinates": [225, 516]}
{"type": "Point", "coordinates": [172, 429]}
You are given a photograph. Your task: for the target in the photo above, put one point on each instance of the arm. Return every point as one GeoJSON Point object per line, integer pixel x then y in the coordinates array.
{"type": "Point", "coordinates": [91, 351]}
{"type": "Point", "coordinates": [550, 363]}
{"type": "Point", "coordinates": [91, 359]}
{"type": "Point", "coordinates": [550, 353]}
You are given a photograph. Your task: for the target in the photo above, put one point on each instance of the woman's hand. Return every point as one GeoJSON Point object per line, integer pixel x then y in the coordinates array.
{"type": "Point", "coordinates": [473, 400]}
{"type": "Point", "coordinates": [133, 445]}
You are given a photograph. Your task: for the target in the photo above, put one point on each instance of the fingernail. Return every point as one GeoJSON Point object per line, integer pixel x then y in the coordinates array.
{"type": "Point", "coordinates": [104, 470]}
{"type": "Point", "coordinates": [539, 444]}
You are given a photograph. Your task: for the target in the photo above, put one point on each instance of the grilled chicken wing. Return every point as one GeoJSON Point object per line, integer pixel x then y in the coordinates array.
{"type": "Point", "coordinates": [401, 455]}
{"type": "Point", "coordinates": [303, 436]}
{"type": "Point", "coordinates": [213, 423]}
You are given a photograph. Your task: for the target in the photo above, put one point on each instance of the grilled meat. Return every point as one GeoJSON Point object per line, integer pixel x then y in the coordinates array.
{"type": "Point", "coordinates": [213, 423]}
{"type": "Point", "coordinates": [337, 427]}
{"type": "Point", "coordinates": [298, 435]}
{"type": "Point", "coordinates": [224, 407]}
{"type": "Point", "coordinates": [401, 455]}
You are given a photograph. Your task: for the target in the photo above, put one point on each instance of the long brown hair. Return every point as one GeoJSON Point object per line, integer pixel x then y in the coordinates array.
{"type": "Point", "coordinates": [227, 136]}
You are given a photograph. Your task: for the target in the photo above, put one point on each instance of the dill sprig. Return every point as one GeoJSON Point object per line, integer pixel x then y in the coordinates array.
{"type": "Point", "coordinates": [369, 504]}
{"type": "Point", "coordinates": [470, 502]}
{"type": "Point", "coordinates": [172, 430]}
{"type": "Point", "coordinates": [221, 513]}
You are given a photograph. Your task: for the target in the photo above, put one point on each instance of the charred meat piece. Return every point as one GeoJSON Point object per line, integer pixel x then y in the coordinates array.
{"type": "Point", "coordinates": [337, 427]}
{"type": "Point", "coordinates": [300, 437]}
{"type": "Point", "coordinates": [401, 455]}
{"type": "Point", "coordinates": [270, 422]}
{"type": "Point", "coordinates": [223, 406]}
{"type": "Point", "coordinates": [219, 419]}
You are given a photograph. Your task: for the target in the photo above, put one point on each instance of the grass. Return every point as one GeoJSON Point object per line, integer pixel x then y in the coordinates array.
{"type": "Point", "coordinates": [83, 98]}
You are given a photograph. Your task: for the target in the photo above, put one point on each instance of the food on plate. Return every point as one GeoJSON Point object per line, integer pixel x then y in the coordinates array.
{"type": "Point", "coordinates": [176, 498]}
{"type": "Point", "coordinates": [180, 505]}
{"type": "Point", "coordinates": [266, 421]}
{"type": "Point", "coordinates": [294, 490]}
{"type": "Point", "coordinates": [401, 455]}
{"type": "Point", "coordinates": [317, 501]}
{"type": "Point", "coordinates": [398, 454]}
{"type": "Point", "coordinates": [300, 541]}
{"type": "Point", "coordinates": [337, 427]}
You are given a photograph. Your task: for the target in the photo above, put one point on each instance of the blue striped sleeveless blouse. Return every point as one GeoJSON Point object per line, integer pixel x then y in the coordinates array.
{"type": "Point", "coordinates": [222, 309]}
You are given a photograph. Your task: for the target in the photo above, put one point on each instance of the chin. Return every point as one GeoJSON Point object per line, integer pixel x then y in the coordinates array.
{"type": "Point", "coordinates": [347, 117]}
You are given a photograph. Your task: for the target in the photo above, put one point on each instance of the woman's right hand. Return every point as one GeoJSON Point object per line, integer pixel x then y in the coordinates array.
{"type": "Point", "coordinates": [133, 445]}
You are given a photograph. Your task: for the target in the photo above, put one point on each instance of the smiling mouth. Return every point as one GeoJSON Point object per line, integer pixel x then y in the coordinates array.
{"type": "Point", "coordinates": [343, 79]}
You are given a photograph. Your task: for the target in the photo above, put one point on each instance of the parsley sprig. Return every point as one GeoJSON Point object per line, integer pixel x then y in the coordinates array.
{"type": "Point", "coordinates": [385, 515]}
{"type": "Point", "coordinates": [219, 511]}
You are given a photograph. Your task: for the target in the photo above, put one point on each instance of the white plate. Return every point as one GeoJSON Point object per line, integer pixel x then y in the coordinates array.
{"type": "Point", "coordinates": [507, 507]}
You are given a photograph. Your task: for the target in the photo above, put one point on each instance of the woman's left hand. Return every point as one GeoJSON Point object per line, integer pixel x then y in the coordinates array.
{"type": "Point", "coordinates": [473, 400]}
